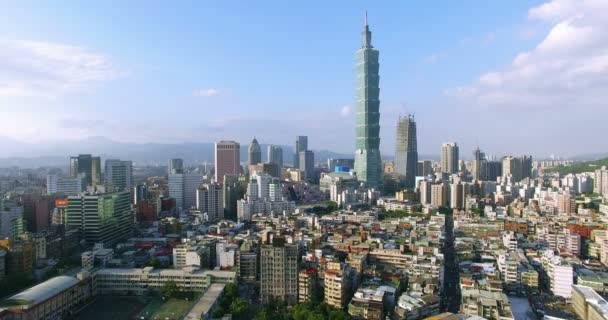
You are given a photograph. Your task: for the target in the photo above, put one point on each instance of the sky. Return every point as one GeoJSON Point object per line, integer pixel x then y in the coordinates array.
{"type": "Point", "coordinates": [512, 77]}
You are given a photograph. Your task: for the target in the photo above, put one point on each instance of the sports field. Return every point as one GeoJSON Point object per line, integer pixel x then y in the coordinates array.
{"type": "Point", "coordinates": [135, 308]}
{"type": "Point", "coordinates": [115, 308]}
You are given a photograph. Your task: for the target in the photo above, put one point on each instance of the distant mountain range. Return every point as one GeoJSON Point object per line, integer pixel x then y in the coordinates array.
{"type": "Point", "coordinates": [56, 153]}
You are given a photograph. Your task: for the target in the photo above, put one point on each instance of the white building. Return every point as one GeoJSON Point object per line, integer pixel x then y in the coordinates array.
{"type": "Point", "coordinates": [140, 281]}
{"type": "Point", "coordinates": [225, 254]}
{"type": "Point", "coordinates": [264, 196]}
{"type": "Point", "coordinates": [560, 274]}
{"type": "Point", "coordinates": [64, 185]}
{"type": "Point", "coordinates": [210, 201]}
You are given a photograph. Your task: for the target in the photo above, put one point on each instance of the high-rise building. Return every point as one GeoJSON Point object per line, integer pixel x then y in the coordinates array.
{"type": "Point", "coordinates": [36, 212]}
{"type": "Point", "coordinates": [227, 159]}
{"type": "Point", "coordinates": [301, 145]}
{"type": "Point", "coordinates": [479, 165]}
{"type": "Point", "coordinates": [279, 271]}
{"type": "Point", "coordinates": [440, 194]}
{"type": "Point", "coordinates": [119, 174]}
{"type": "Point", "coordinates": [494, 170]}
{"type": "Point", "coordinates": [307, 165]}
{"type": "Point", "coordinates": [511, 167]}
{"type": "Point", "coordinates": [231, 189]}
{"type": "Point", "coordinates": [64, 185]}
{"type": "Point", "coordinates": [337, 284]}
{"type": "Point", "coordinates": [275, 155]}
{"type": "Point", "coordinates": [264, 196]}
{"type": "Point", "coordinates": [176, 166]}
{"type": "Point", "coordinates": [526, 167]}
{"type": "Point", "coordinates": [183, 188]}
{"type": "Point", "coordinates": [368, 163]}
{"type": "Point", "coordinates": [87, 165]}
{"type": "Point", "coordinates": [406, 151]}
{"type": "Point", "coordinates": [425, 168]}
{"type": "Point", "coordinates": [254, 153]}
{"type": "Point", "coordinates": [449, 158]}
{"type": "Point", "coordinates": [209, 200]}
{"type": "Point", "coordinates": [106, 218]}
{"type": "Point", "coordinates": [12, 223]}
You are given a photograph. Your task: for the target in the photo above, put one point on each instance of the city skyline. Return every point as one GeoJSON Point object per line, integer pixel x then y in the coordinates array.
{"type": "Point", "coordinates": [436, 76]}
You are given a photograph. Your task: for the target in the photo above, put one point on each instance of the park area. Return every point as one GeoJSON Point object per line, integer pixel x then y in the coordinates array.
{"type": "Point", "coordinates": [131, 308]}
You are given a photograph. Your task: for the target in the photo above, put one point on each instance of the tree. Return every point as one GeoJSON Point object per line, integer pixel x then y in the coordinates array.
{"type": "Point", "coordinates": [239, 308]}
{"type": "Point", "coordinates": [169, 290]}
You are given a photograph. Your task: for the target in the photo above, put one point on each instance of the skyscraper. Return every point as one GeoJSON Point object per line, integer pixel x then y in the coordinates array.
{"type": "Point", "coordinates": [227, 159]}
{"type": "Point", "coordinates": [183, 187]}
{"type": "Point", "coordinates": [176, 166]}
{"type": "Point", "coordinates": [307, 165]}
{"type": "Point", "coordinates": [301, 145]}
{"type": "Point", "coordinates": [368, 163]}
{"type": "Point", "coordinates": [406, 151]}
{"type": "Point", "coordinates": [254, 153]}
{"type": "Point", "coordinates": [479, 165]}
{"type": "Point", "coordinates": [275, 155]}
{"type": "Point", "coordinates": [89, 166]}
{"type": "Point", "coordinates": [449, 158]}
{"type": "Point", "coordinates": [119, 174]}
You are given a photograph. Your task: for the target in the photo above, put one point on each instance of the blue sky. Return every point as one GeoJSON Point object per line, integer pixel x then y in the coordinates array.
{"type": "Point", "coordinates": [151, 71]}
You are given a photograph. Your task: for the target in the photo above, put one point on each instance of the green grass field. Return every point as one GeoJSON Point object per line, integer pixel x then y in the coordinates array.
{"type": "Point", "coordinates": [135, 308]}
{"type": "Point", "coordinates": [158, 309]}
{"type": "Point", "coordinates": [115, 308]}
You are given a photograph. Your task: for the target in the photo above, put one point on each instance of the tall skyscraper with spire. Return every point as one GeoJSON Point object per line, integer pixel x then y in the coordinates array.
{"type": "Point", "coordinates": [406, 151]}
{"type": "Point", "coordinates": [368, 163]}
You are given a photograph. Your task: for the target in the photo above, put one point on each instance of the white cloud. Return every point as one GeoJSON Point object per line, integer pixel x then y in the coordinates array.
{"type": "Point", "coordinates": [346, 111]}
{"type": "Point", "coordinates": [434, 57]}
{"type": "Point", "coordinates": [210, 92]}
{"type": "Point", "coordinates": [568, 67]}
{"type": "Point", "coordinates": [37, 68]}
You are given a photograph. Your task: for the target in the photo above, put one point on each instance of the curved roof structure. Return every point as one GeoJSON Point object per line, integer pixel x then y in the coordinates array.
{"type": "Point", "coordinates": [41, 292]}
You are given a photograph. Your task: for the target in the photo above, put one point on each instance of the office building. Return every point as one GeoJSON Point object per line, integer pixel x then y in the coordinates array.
{"type": "Point", "coordinates": [279, 271]}
{"type": "Point", "coordinates": [21, 254]}
{"type": "Point", "coordinates": [275, 155]}
{"type": "Point", "coordinates": [87, 165]}
{"type": "Point", "coordinates": [406, 151]}
{"type": "Point", "coordinates": [176, 166]}
{"type": "Point", "coordinates": [368, 162]}
{"type": "Point", "coordinates": [425, 168]}
{"type": "Point", "coordinates": [12, 222]}
{"type": "Point", "coordinates": [493, 170]}
{"type": "Point", "coordinates": [254, 153]}
{"type": "Point", "coordinates": [106, 218]}
{"type": "Point", "coordinates": [301, 145]}
{"type": "Point", "coordinates": [227, 159]}
{"type": "Point", "coordinates": [247, 262]}
{"type": "Point", "coordinates": [449, 158]}
{"type": "Point", "coordinates": [210, 201]}
{"type": "Point", "coordinates": [512, 168]}
{"type": "Point", "coordinates": [118, 175]}
{"type": "Point", "coordinates": [479, 165]}
{"type": "Point", "coordinates": [307, 165]}
{"type": "Point", "coordinates": [36, 212]}
{"type": "Point", "coordinates": [183, 188]}
{"type": "Point", "coordinates": [64, 185]}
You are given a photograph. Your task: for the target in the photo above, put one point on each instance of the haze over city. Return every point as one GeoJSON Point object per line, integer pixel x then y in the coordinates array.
{"type": "Point", "coordinates": [512, 77]}
{"type": "Point", "coordinates": [274, 160]}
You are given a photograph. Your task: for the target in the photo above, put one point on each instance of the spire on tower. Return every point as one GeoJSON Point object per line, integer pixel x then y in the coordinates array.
{"type": "Point", "coordinates": [366, 34]}
{"type": "Point", "coordinates": [365, 17]}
